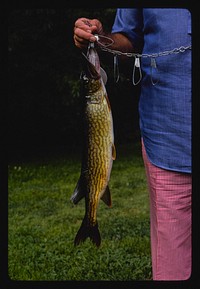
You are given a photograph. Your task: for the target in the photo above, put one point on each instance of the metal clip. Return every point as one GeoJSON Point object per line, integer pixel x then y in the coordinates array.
{"type": "Point", "coordinates": [116, 68]}
{"type": "Point", "coordinates": [153, 67]}
{"type": "Point", "coordinates": [136, 65]}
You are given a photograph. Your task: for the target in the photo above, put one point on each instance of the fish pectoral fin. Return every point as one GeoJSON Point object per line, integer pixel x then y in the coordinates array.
{"type": "Point", "coordinates": [113, 152]}
{"type": "Point", "coordinates": [106, 197]}
{"type": "Point", "coordinates": [79, 192]}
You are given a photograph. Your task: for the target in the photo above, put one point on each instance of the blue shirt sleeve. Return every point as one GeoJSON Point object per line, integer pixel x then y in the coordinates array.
{"type": "Point", "coordinates": [130, 22]}
{"type": "Point", "coordinates": [165, 98]}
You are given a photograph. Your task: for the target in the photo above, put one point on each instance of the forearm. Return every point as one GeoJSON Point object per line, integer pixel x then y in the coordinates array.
{"type": "Point", "coordinates": [120, 42]}
{"type": "Point", "coordinates": [85, 29]}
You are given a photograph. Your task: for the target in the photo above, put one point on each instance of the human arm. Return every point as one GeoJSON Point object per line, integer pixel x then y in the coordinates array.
{"type": "Point", "coordinates": [85, 29]}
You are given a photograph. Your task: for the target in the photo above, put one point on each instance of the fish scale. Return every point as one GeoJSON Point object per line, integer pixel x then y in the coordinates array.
{"type": "Point", "coordinates": [98, 152]}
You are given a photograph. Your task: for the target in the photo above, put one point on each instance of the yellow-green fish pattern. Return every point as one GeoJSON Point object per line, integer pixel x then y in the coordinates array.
{"type": "Point", "coordinates": [98, 153]}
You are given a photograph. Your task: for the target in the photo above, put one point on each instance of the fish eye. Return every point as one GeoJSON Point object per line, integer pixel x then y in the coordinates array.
{"type": "Point", "coordinates": [85, 79]}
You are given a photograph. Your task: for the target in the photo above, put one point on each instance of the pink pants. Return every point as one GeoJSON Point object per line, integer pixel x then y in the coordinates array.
{"type": "Point", "coordinates": [170, 218]}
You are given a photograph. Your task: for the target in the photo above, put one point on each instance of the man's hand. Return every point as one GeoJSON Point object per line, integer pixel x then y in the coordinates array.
{"type": "Point", "coordinates": [84, 29]}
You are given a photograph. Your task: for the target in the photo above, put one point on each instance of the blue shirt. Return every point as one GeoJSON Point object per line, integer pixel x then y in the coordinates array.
{"type": "Point", "coordinates": [165, 100]}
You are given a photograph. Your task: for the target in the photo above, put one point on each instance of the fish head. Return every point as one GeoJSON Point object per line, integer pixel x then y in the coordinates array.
{"type": "Point", "coordinates": [90, 85]}
{"type": "Point", "coordinates": [90, 70]}
{"type": "Point", "coordinates": [93, 75]}
{"type": "Point", "coordinates": [90, 77]}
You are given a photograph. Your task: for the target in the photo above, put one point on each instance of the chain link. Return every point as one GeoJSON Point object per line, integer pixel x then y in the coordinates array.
{"type": "Point", "coordinates": [137, 72]}
{"type": "Point", "coordinates": [181, 49]}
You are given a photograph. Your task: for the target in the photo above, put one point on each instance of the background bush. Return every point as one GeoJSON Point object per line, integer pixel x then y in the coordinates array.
{"type": "Point", "coordinates": [44, 101]}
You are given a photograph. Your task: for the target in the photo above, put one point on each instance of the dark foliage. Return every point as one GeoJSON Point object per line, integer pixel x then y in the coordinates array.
{"type": "Point", "coordinates": [44, 101]}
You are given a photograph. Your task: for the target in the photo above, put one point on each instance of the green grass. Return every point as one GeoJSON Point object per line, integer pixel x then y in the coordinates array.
{"type": "Point", "coordinates": [43, 222]}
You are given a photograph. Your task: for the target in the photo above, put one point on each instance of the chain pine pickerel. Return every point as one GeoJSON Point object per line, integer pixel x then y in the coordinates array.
{"type": "Point", "coordinates": [98, 151]}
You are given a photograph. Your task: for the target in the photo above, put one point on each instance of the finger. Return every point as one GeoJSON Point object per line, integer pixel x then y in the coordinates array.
{"type": "Point", "coordinates": [83, 35]}
{"type": "Point", "coordinates": [96, 26]}
{"type": "Point", "coordinates": [83, 23]}
{"type": "Point", "coordinates": [80, 42]}
{"type": "Point", "coordinates": [89, 25]}
{"type": "Point", "coordinates": [80, 45]}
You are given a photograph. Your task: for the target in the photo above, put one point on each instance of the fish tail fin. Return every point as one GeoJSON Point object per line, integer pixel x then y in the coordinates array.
{"type": "Point", "coordinates": [86, 231]}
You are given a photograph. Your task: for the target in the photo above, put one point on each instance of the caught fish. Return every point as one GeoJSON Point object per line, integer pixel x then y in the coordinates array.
{"type": "Point", "coordinates": [98, 152]}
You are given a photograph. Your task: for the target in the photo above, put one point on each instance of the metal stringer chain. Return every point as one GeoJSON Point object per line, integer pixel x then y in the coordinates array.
{"type": "Point", "coordinates": [137, 56]}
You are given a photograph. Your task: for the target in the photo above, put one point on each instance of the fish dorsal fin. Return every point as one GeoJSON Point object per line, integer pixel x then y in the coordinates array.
{"type": "Point", "coordinates": [106, 197]}
{"type": "Point", "coordinates": [103, 75]}
{"type": "Point", "coordinates": [113, 152]}
{"type": "Point", "coordinates": [79, 192]}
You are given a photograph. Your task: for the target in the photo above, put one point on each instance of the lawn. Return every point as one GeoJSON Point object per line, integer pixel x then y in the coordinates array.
{"type": "Point", "coordinates": [42, 222]}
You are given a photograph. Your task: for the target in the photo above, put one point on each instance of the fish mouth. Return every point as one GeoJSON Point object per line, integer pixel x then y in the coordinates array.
{"type": "Point", "coordinates": [90, 70]}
